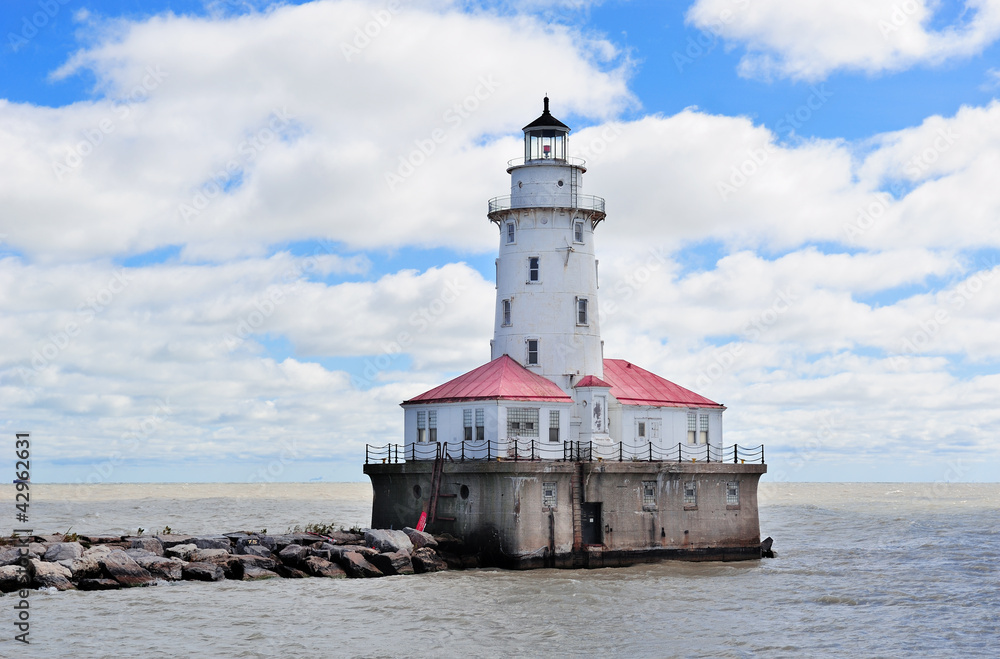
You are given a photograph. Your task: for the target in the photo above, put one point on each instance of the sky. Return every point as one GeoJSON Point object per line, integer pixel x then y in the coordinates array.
{"type": "Point", "coordinates": [235, 235]}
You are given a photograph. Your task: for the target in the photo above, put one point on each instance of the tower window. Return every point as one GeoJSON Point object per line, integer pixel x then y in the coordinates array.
{"type": "Point", "coordinates": [578, 232]}
{"type": "Point", "coordinates": [510, 232]}
{"type": "Point", "coordinates": [581, 311]}
{"type": "Point", "coordinates": [467, 424]}
{"type": "Point", "coordinates": [553, 425]}
{"type": "Point", "coordinates": [532, 352]}
{"type": "Point", "coordinates": [703, 429]}
{"type": "Point", "coordinates": [432, 425]}
{"type": "Point", "coordinates": [421, 427]}
{"type": "Point", "coordinates": [480, 425]}
{"type": "Point", "coordinates": [505, 313]}
{"type": "Point", "coordinates": [534, 275]}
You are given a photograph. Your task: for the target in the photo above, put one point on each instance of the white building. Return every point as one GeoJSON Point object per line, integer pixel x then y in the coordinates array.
{"type": "Point", "coordinates": [548, 391]}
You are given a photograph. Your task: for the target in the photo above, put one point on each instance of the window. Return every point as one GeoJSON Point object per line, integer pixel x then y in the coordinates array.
{"type": "Point", "coordinates": [640, 431]}
{"type": "Point", "coordinates": [532, 352]}
{"type": "Point", "coordinates": [467, 424]}
{"type": "Point", "coordinates": [649, 494]}
{"type": "Point", "coordinates": [581, 311]}
{"type": "Point", "coordinates": [548, 495]}
{"type": "Point", "coordinates": [690, 494]}
{"type": "Point", "coordinates": [703, 429]}
{"type": "Point", "coordinates": [432, 425]}
{"type": "Point", "coordinates": [597, 274]}
{"type": "Point", "coordinates": [505, 312]}
{"type": "Point", "coordinates": [692, 427]}
{"type": "Point", "coordinates": [533, 274]}
{"type": "Point", "coordinates": [421, 426]}
{"type": "Point", "coordinates": [522, 422]}
{"type": "Point", "coordinates": [510, 233]}
{"type": "Point", "coordinates": [578, 232]}
{"type": "Point", "coordinates": [733, 493]}
{"type": "Point", "coordinates": [480, 425]}
{"type": "Point", "coordinates": [553, 425]}
{"type": "Point", "coordinates": [600, 407]}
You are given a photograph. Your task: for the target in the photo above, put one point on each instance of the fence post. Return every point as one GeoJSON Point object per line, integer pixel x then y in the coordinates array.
{"type": "Point", "coordinates": [590, 451]}
{"type": "Point", "coordinates": [620, 451]}
{"type": "Point", "coordinates": [651, 451]}
{"type": "Point", "coordinates": [762, 454]}
{"type": "Point", "coordinates": [736, 453]}
{"type": "Point", "coordinates": [708, 452]}
{"type": "Point", "coordinates": [532, 450]}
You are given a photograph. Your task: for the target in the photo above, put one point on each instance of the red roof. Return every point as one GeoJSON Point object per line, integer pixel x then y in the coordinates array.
{"type": "Point", "coordinates": [632, 385]}
{"type": "Point", "coordinates": [502, 378]}
{"type": "Point", "coordinates": [592, 381]}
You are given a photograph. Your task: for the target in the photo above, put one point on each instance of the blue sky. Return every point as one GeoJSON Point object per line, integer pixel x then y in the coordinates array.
{"type": "Point", "coordinates": [168, 322]}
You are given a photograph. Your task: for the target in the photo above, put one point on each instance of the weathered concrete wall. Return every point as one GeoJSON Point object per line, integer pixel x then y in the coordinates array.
{"type": "Point", "coordinates": [499, 510]}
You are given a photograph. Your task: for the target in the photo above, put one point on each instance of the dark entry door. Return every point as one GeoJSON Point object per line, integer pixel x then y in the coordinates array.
{"type": "Point", "coordinates": [591, 526]}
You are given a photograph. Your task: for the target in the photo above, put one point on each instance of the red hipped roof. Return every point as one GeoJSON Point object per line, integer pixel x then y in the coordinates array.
{"type": "Point", "coordinates": [632, 385]}
{"type": "Point", "coordinates": [501, 378]}
{"type": "Point", "coordinates": [591, 381]}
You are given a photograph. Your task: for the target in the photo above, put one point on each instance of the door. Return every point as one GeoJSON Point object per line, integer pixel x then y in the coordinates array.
{"type": "Point", "coordinates": [591, 526]}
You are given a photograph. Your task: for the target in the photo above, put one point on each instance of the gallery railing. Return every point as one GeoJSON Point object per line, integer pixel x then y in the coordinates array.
{"type": "Point", "coordinates": [516, 450]}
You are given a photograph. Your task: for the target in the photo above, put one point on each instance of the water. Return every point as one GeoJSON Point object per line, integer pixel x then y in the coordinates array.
{"type": "Point", "coordinates": [868, 570]}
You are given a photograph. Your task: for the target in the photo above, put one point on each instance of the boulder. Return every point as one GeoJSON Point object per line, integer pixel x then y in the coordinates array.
{"type": "Point", "coordinates": [290, 572]}
{"type": "Point", "coordinates": [36, 550]}
{"type": "Point", "coordinates": [13, 577]}
{"type": "Point", "coordinates": [63, 551]}
{"type": "Point", "coordinates": [320, 567]}
{"type": "Point", "coordinates": [232, 567]}
{"type": "Point", "coordinates": [343, 538]}
{"type": "Point", "coordinates": [387, 540]}
{"type": "Point", "coordinates": [263, 562]}
{"type": "Point", "coordinates": [182, 552]}
{"type": "Point", "coordinates": [51, 575]}
{"type": "Point", "coordinates": [337, 552]}
{"type": "Point", "coordinates": [253, 543]}
{"type": "Point", "coordinates": [426, 560]}
{"type": "Point", "coordinates": [172, 539]}
{"type": "Point", "coordinates": [212, 542]}
{"type": "Point", "coordinates": [397, 562]}
{"type": "Point", "coordinates": [100, 539]}
{"type": "Point", "coordinates": [202, 572]}
{"type": "Point", "coordinates": [87, 567]}
{"type": "Point", "coordinates": [119, 566]}
{"type": "Point", "coordinates": [97, 552]}
{"type": "Point", "coordinates": [255, 550]}
{"type": "Point", "coordinates": [206, 555]}
{"type": "Point", "coordinates": [253, 573]}
{"type": "Point", "coordinates": [357, 566]}
{"type": "Point", "coordinates": [98, 584]}
{"type": "Point", "coordinates": [293, 555]}
{"type": "Point", "coordinates": [420, 538]}
{"type": "Point", "coordinates": [282, 541]}
{"type": "Point", "coordinates": [168, 569]}
{"type": "Point", "coordinates": [152, 545]}
{"type": "Point", "coordinates": [10, 556]}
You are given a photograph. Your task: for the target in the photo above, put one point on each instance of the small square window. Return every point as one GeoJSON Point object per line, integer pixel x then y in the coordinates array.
{"type": "Point", "coordinates": [690, 494]}
{"type": "Point", "coordinates": [532, 352]}
{"type": "Point", "coordinates": [648, 494]}
{"type": "Point", "coordinates": [534, 276]}
{"type": "Point", "coordinates": [510, 233]}
{"type": "Point", "coordinates": [733, 493]}
{"type": "Point", "coordinates": [548, 495]}
{"type": "Point", "coordinates": [578, 232]}
{"type": "Point", "coordinates": [505, 312]}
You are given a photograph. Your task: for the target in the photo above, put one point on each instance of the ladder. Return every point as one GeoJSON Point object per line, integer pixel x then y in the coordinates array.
{"type": "Point", "coordinates": [436, 486]}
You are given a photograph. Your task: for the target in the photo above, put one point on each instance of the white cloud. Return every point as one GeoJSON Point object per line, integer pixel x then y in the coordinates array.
{"type": "Point", "coordinates": [808, 40]}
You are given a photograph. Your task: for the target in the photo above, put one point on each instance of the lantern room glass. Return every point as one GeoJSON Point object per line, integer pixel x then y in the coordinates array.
{"type": "Point", "coordinates": [545, 144]}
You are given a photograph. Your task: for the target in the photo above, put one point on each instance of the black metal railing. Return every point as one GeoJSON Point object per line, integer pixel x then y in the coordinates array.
{"type": "Point", "coordinates": [530, 450]}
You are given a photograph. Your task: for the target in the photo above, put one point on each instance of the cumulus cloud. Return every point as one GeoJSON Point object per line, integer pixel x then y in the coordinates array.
{"type": "Point", "coordinates": [808, 41]}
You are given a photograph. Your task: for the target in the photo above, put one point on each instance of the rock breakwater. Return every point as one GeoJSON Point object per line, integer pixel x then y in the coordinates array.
{"type": "Point", "coordinates": [102, 562]}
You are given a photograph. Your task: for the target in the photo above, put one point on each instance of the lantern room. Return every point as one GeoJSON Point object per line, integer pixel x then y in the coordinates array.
{"type": "Point", "coordinates": [546, 137]}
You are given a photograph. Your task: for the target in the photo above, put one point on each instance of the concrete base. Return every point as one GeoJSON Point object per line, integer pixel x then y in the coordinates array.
{"type": "Point", "coordinates": [526, 515]}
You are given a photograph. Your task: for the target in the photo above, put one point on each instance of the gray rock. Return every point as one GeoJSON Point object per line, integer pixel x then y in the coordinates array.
{"type": "Point", "coordinates": [182, 552]}
{"type": "Point", "coordinates": [168, 569]}
{"type": "Point", "coordinates": [206, 555]}
{"type": "Point", "coordinates": [420, 538]}
{"type": "Point", "coordinates": [119, 566]}
{"type": "Point", "coordinates": [100, 539]}
{"type": "Point", "coordinates": [253, 573]}
{"type": "Point", "coordinates": [64, 551]}
{"type": "Point", "coordinates": [343, 538]}
{"type": "Point", "coordinates": [151, 545]}
{"type": "Point", "coordinates": [37, 550]}
{"type": "Point", "coordinates": [138, 551]}
{"type": "Point", "coordinates": [254, 550]}
{"type": "Point", "coordinates": [387, 541]}
{"type": "Point", "coordinates": [97, 552]}
{"type": "Point", "coordinates": [397, 562]}
{"type": "Point", "coordinates": [426, 559]}
{"type": "Point", "coordinates": [174, 539]}
{"type": "Point", "coordinates": [10, 556]}
{"type": "Point", "coordinates": [87, 567]}
{"type": "Point", "coordinates": [357, 566]}
{"type": "Point", "coordinates": [255, 542]}
{"type": "Point", "coordinates": [293, 555]}
{"type": "Point", "coordinates": [337, 553]}
{"type": "Point", "coordinates": [203, 572]}
{"type": "Point", "coordinates": [290, 572]}
{"type": "Point", "coordinates": [51, 575]}
{"type": "Point", "coordinates": [98, 584]}
{"type": "Point", "coordinates": [212, 542]}
{"type": "Point", "coordinates": [249, 560]}
{"type": "Point", "coordinates": [232, 567]}
{"type": "Point", "coordinates": [13, 577]}
{"type": "Point", "coordinates": [320, 567]}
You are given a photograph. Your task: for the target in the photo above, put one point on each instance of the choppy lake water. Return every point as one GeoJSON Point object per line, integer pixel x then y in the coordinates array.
{"type": "Point", "coordinates": [863, 570]}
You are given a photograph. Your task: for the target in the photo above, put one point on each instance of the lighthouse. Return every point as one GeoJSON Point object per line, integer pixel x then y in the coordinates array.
{"type": "Point", "coordinates": [552, 454]}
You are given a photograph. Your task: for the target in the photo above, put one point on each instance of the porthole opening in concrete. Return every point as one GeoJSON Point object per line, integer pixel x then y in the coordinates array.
{"type": "Point", "coordinates": [464, 492]}
{"type": "Point", "coordinates": [560, 184]}
{"type": "Point", "coordinates": [416, 491]}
